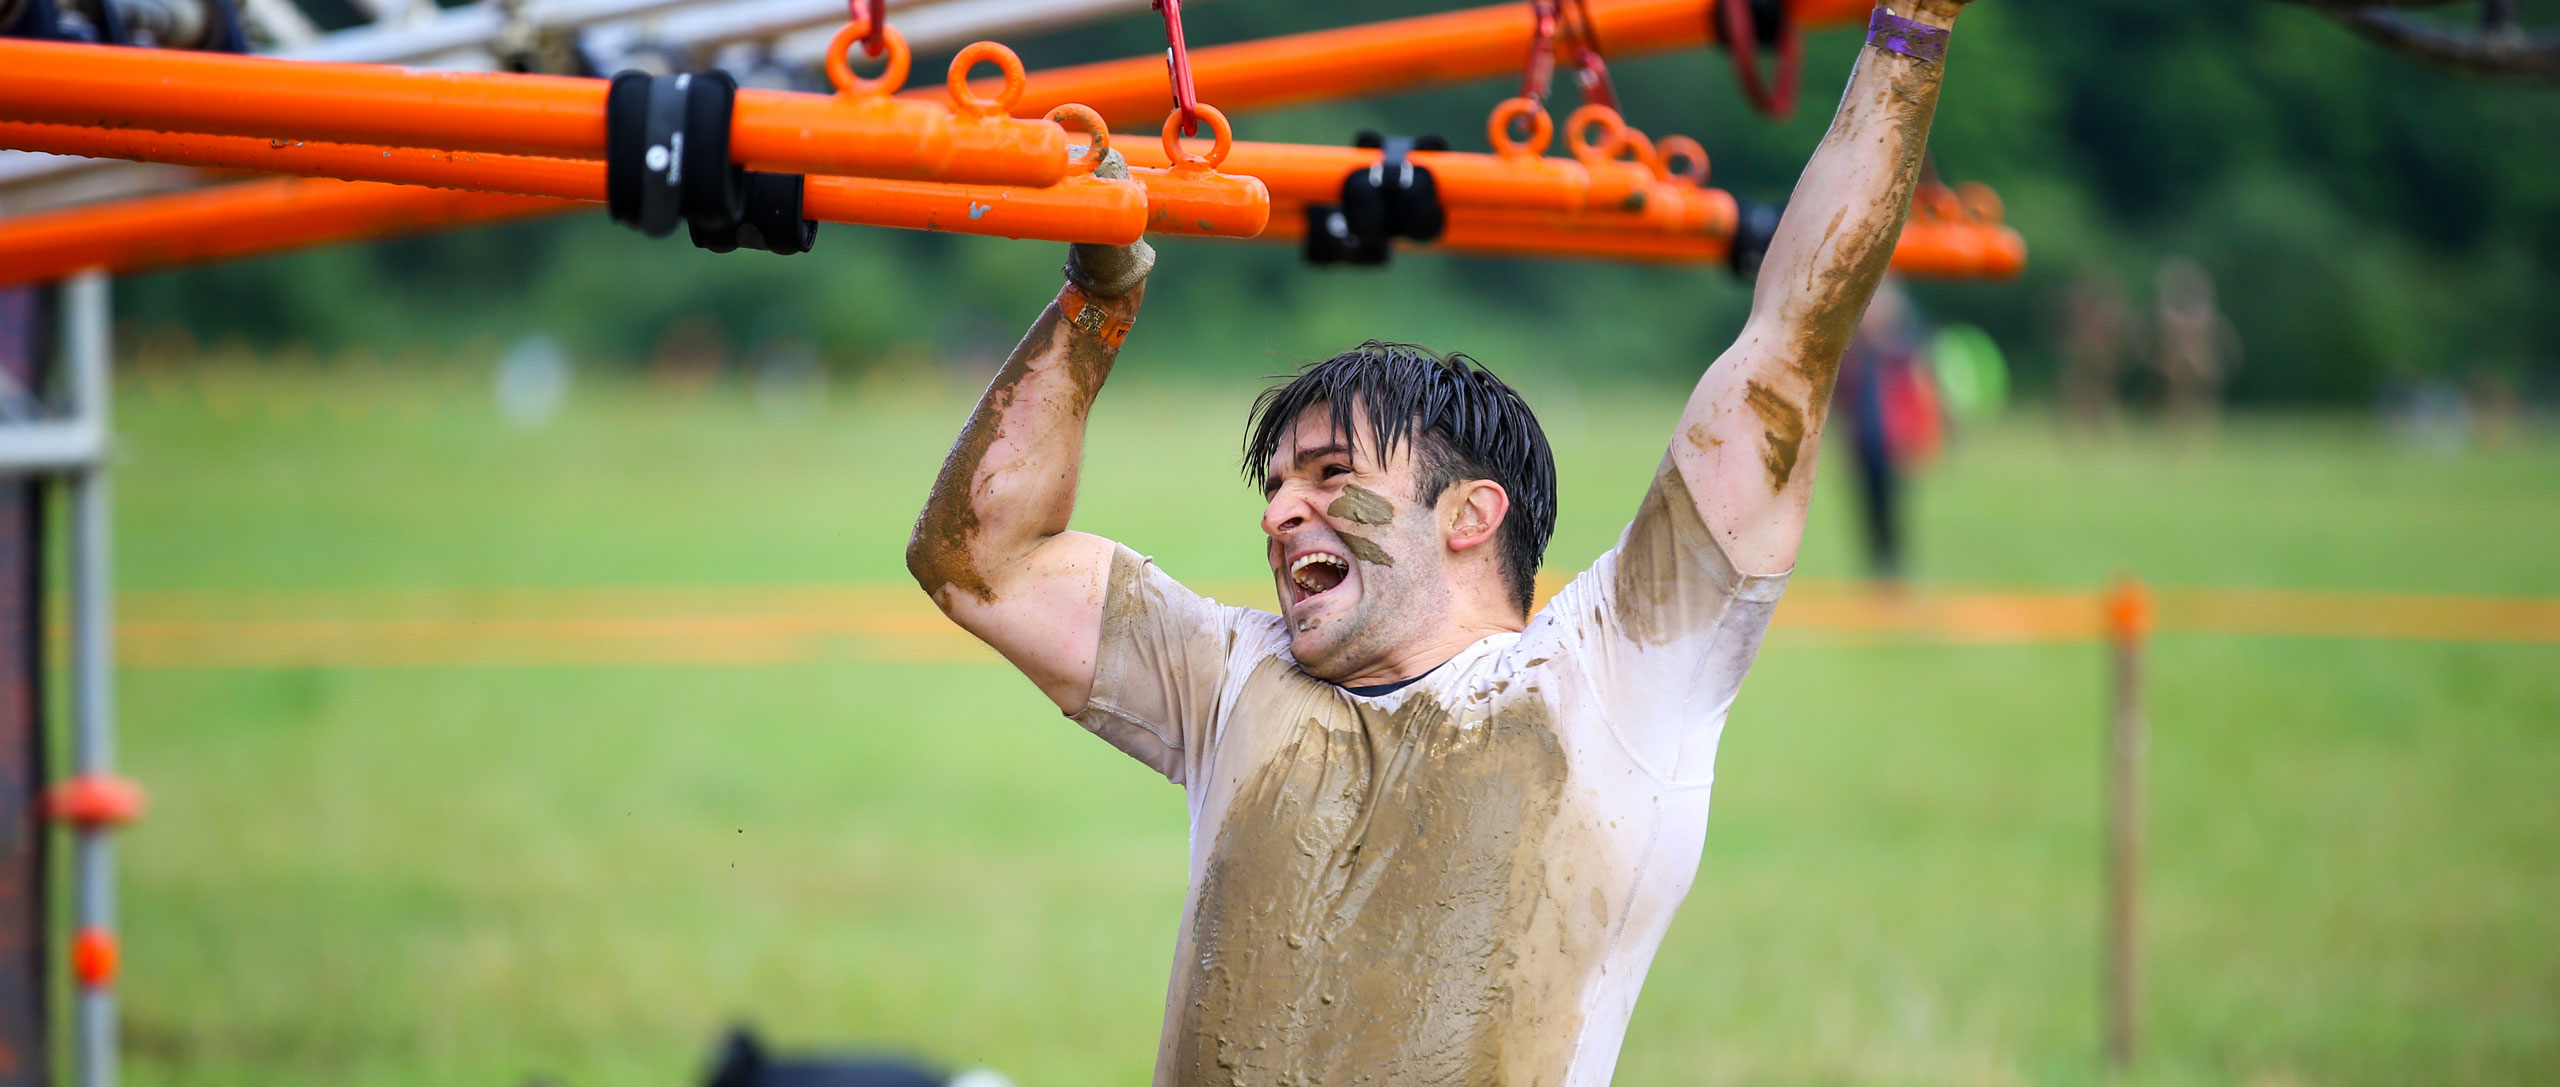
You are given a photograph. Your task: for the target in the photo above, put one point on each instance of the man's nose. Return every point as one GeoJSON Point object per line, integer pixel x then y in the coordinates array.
{"type": "Point", "coordinates": [1286, 513]}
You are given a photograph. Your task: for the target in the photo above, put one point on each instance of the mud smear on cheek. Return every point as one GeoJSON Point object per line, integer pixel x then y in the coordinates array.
{"type": "Point", "coordinates": [1366, 551]}
{"type": "Point", "coordinates": [1380, 905]}
{"type": "Point", "coordinates": [1782, 433]}
{"type": "Point", "coordinates": [1360, 505]}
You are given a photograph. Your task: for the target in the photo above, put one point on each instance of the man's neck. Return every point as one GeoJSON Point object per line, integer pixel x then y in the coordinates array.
{"type": "Point", "coordinates": [1414, 661]}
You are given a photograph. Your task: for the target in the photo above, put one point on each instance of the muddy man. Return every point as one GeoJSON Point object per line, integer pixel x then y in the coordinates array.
{"type": "Point", "coordinates": [1436, 838]}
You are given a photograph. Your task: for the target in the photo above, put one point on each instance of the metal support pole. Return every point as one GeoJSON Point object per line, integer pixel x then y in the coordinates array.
{"type": "Point", "coordinates": [2128, 737]}
{"type": "Point", "coordinates": [27, 942]}
{"type": "Point", "coordinates": [84, 337]}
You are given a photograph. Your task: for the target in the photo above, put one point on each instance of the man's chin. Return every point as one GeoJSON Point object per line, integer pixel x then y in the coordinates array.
{"type": "Point", "coordinates": [1317, 652]}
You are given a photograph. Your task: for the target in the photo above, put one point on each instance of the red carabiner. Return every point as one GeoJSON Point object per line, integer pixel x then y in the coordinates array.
{"type": "Point", "coordinates": [1539, 71]}
{"type": "Point", "coordinates": [1740, 29]}
{"type": "Point", "coordinates": [1565, 30]}
{"type": "Point", "coordinates": [875, 15]}
{"type": "Point", "coordinates": [1177, 63]}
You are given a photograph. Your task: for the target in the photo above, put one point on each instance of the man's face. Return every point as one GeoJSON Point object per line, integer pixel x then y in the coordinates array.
{"type": "Point", "coordinates": [1358, 563]}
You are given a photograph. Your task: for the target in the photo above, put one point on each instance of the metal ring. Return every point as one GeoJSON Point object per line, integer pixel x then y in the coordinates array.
{"type": "Point", "coordinates": [1542, 128]}
{"type": "Point", "coordinates": [840, 67]}
{"type": "Point", "coordinates": [1006, 62]}
{"type": "Point", "coordinates": [1097, 135]}
{"type": "Point", "coordinates": [1980, 202]}
{"type": "Point", "coordinates": [1225, 137]}
{"type": "Point", "coordinates": [1582, 120]}
{"type": "Point", "coordinates": [1682, 147]}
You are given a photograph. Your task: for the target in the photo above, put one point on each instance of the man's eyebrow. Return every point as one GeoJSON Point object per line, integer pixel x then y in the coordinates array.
{"type": "Point", "coordinates": [1337, 449]}
{"type": "Point", "coordinates": [1271, 484]}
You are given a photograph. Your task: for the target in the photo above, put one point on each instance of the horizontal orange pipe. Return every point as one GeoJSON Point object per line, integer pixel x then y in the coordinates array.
{"type": "Point", "coordinates": [1077, 209]}
{"type": "Point", "coordinates": [1313, 174]}
{"type": "Point", "coordinates": [1381, 58]}
{"type": "Point", "coordinates": [523, 175]}
{"type": "Point", "coordinates": [232, 221]}
{"type": "Point", "coordinates": [502, 113]}
{"type": "Point", "coordinates": [271, 215]}
{"type": "Point", "coordinates": [1928, 248]}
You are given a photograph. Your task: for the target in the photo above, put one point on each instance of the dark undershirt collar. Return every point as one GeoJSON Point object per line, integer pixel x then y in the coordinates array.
{"type": "Point", "coordinates": [1376, 690]}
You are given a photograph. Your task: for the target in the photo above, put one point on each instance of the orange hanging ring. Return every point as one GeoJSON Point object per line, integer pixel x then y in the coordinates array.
{"type": "Point", "coordinates": [1006, 61]}
{"type": "Point", "coordinates": [1577, 129]}
{"type": "Point", "coordinates": [1638, 149]}
{"type": "Point", "coordinates": [840, 65]}
{"type": "Point", "coordinates": [1224, 136]}
{"type": "Point", "coordinates": [1097, 136]}
{"type": "Point", "coordinates": [1542, 128]}
{"type": "Point", "coordinates": [1682, 149]}
{"type": "Point", "coordinates": [1980, 202]}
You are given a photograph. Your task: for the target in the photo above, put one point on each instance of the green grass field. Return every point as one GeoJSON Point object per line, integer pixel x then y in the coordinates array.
{"type": "Point", "coordinates": [506, 875]}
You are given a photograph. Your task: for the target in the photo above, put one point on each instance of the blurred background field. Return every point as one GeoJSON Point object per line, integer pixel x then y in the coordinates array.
{"type": "Point", "coordinates": [528, 722]}
{"type": "Point", "coordinates": [486, 753]}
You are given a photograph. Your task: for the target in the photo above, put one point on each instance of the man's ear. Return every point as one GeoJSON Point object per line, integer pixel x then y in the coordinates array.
{"type": "Point", "coordinates": [1473, 512]}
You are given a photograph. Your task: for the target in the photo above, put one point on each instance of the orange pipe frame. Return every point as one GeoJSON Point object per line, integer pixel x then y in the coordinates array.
{"type": "Point", "coordinates": [231, 221]}
{"type": "Point", "coordinates": [1503, 203]}
{"type": "Point", "coordinates": [859, 133]}
{"type": "Point", "coordinates": [1384, 57]}
{"type": "Point", "coordinates": [1931, 247]}
{"type": "Point", "coordinates": [1517, 175]}
{"type": "Point", "coordinates": [1079, 208]}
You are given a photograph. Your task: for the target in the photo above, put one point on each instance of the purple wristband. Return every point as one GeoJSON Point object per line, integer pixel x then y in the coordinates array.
{"type": "Point", "coordinates": [1911, 38]}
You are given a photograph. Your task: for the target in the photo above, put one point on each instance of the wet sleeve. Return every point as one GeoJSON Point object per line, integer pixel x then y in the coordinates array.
{"type": "Point", "coordinates": [1159, 668]}
{"type": "Point", "coordinates": [1661, 630]}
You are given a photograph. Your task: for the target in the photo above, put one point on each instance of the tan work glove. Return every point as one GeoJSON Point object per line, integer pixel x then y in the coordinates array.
{"type": "Point", "coordinates": [1109, 271]}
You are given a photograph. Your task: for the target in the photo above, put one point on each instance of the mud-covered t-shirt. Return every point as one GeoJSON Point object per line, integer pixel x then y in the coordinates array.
{"type": "Point", "coordinates": [1459, 882]}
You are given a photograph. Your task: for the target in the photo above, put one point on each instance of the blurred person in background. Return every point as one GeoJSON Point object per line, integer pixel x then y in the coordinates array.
{"type": "Point", "coordinates": [2095, 322]}
{"type": "Point", "coordinates": [2194, 347]}
{"type": "Point", "coordinates": [1897, 423]}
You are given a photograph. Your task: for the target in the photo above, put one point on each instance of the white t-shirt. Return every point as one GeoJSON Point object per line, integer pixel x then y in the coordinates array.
{"type": "Point", "coordinates": [1461, 882]}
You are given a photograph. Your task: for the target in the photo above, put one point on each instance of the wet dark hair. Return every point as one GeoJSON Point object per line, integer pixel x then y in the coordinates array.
{"type": "Point", "coordinates": [1464, 422]}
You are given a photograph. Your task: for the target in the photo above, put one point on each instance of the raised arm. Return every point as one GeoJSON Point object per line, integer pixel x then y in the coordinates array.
{"type": "Point", "coordinates": [1747, 439]}
{"type": "Point", "coordinates": [992, 545]}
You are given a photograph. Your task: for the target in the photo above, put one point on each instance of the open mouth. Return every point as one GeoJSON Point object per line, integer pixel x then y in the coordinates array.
{"type": "Point", "coordinates": [1316, 573]}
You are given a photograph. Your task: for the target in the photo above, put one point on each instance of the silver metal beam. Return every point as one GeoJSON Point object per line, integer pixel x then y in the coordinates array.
{"type": "Point", "coordinates": [85, 330]}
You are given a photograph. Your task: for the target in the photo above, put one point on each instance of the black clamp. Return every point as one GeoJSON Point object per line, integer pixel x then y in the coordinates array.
{"type": "Point", "coordinates": [46, 20]}
{"type": "Point", "coordinates": [1393, 197]}
{"type": "Point", "coordinates": [1755, 226]}
{"type": "Point", "coordinates": [209, 25]}
{"type": "Point", "coordinates": [666, 160]}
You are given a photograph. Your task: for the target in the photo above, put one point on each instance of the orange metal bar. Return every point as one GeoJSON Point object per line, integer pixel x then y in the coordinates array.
{"type": "Point", "coordinates": [1313, 175]}
{"type": "Point", "coordinates": [1087, 209]}
{"type": "Point", "coordinates": [249, 219]}
{"type": "Point", "coordinates": [1384, 57]}
{"type": "Point", "coordinates": [1079, 208]}
{"type": "Point", "coordinates": [523, 175]}
{"type": "Point", "coordinates": [1930, 248]}
{"type": "Point", "coordinates": [866, 134]}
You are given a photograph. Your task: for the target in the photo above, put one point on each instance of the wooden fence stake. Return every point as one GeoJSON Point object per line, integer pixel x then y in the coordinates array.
{"type": "Point", "coordinates": [2128, 623]}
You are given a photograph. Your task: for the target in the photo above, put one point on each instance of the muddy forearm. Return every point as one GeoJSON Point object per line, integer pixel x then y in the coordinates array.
{"type": "Point", "coordinates": [1846, 216]}
{"type": "Point", "coordinates": [1010, 480]}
